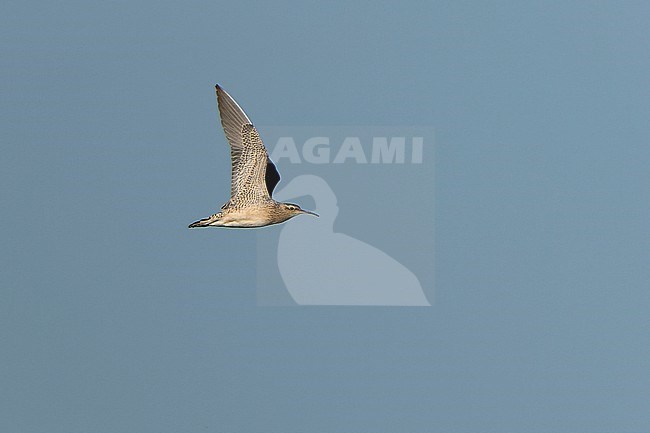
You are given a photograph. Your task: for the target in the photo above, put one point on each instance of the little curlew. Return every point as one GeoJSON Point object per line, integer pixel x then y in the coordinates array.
{"type": "Point", "coordinates": [253, 176]}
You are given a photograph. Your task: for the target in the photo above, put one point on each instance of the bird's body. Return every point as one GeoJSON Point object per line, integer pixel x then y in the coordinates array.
{"type": "Point", "coordinates": [253, 178]}
{"type": "Point", "coordinates": [258, 214]}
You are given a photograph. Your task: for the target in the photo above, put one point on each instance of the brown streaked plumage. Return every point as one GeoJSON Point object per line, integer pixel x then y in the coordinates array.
{"type": "Point", "coordinates": [253, 176]}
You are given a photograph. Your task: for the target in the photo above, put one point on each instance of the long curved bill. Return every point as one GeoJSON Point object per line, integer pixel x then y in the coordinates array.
{"type": "Point", "coordinates": [310, 213]}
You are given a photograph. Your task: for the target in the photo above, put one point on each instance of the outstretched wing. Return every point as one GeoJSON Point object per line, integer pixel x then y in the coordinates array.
{"type": "Point", "coordinates": [233, 120]}
{"type": "Point", "coordinates": [250, 174]}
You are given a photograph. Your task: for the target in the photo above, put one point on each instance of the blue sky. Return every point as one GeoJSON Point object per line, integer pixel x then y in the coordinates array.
{"type": "Point", "coordinates": [116, 318]}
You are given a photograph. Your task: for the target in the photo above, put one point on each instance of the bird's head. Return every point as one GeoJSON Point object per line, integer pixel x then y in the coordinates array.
{"type": "Point", "coordinates": [294, 209]}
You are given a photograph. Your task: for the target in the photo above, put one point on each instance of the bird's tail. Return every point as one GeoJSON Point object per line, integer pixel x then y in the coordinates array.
{"type": "Point", "coordinates": [205, 221]}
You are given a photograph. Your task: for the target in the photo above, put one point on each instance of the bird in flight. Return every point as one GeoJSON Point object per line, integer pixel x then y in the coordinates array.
{"type": "Point", "coordinates": [253, 177]}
